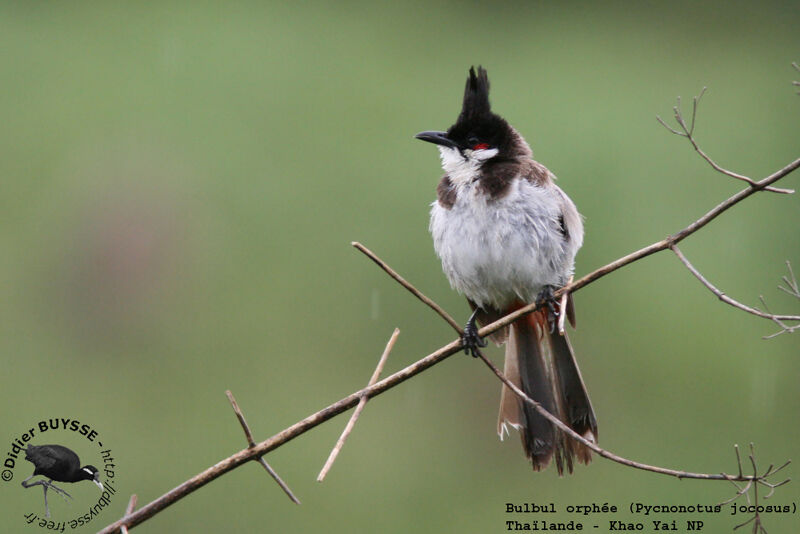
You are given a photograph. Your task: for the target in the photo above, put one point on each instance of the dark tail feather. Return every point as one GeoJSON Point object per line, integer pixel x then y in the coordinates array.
{"type": "Point", "coordinates": [543, 366]}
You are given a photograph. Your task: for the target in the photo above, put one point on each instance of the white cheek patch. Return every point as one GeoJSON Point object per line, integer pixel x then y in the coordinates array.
{"type": "Point", "coordinates": [88, 471]}
{"type": "Point", "coordinates": [451, 158]}
{"type": "Point", "coordinates": [464, 168]}
{"type": "Point", "coordinates": [483, 155]}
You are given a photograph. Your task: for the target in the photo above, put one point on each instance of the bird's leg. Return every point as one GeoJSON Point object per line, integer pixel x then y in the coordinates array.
{"type": "Point", "coordinates": [58, 490]}
{"type": "Point", "coordinates": [546, 298]}
{"type": "Point", "coordinates": [49, 484]}
{"type": "Point", "coordinates": [46, 508]}
{"type": "Point", "coordinates": [470, 339]}
{"type": "Point", "coordinates": [46, 484]}
{"type": "Point", "coordinates": [41, 483]}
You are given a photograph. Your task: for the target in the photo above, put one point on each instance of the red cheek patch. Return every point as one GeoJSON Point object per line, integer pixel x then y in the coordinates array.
{"type": "Point", "coordinates": [480, 146]}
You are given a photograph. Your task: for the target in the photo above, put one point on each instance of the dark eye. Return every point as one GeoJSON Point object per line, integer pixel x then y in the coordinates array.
{"type": "Point", "coordinates": [476, 144]}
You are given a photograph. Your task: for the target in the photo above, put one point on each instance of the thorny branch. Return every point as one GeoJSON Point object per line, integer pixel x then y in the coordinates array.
{"type": "Point", "coordinates": [257, 450]}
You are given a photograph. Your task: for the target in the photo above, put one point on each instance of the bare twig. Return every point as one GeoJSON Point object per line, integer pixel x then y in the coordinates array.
{"type": "Point", "coordinates": [357, 412]}
{"type": "Point", "coordinates": [260, 459]}
{"type": "Point", "coordinates": [131, 504]}
{"type": "Point", "coordinates": [797, 68]}
{"type": "Point", "coordinates": [791, 281]}
{"type": "Point", "coordinates": [758, 526]}
{"type": "Point", "coordinates": [687, 131]}
{"type": "Point", "coordinates": [131, 507]}
{"type": "Point", "coordinates": [239, 415]}
{"type": "Point", "coordinates": [402, 281]}
{"type": "Point", "coordinates": [740, 490]}
{"type": "Point", "coordinates": [724, 298]}
{"type": "Point", "coordinates": [785, 328]}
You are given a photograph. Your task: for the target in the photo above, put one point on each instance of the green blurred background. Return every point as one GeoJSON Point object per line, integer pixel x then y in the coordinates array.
{"type": "Point", "coordinates": [181, 182]}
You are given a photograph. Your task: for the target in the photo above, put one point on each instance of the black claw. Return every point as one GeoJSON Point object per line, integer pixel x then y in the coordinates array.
{"type": "Point", "coordinates": [470, 339]}
{"type": "Point", "coordinates": [546, 298]}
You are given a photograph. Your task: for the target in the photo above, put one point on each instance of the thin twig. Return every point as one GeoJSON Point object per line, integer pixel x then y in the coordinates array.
{"type": "Point", "coordinates": [402, 281]}
{"type": "Point", "coordinates": [357, 412]}
{"type": "Point", "coordinates": [687, 131]}
{"type": "Point", "coordinates": [724, 298]}
{"type": "Point", "coordinates": [758, 526]}
{"type": "Point", "coordinates": [785, 328]}
{"type": "Point", "coordinates": [235, 405]}
{"type": "Point", "coordinates": [260, 459]}
{"type": "Point", "coordinates": [740, 490]}
{"type": "Point", "coordinates": [797, 68]}
{"type": "Point", "coordinates": [791, 281]}
{"type": "Point", "coordinates": [131, 507]}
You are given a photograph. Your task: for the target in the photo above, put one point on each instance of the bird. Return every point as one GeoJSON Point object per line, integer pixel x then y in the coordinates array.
{"type": "Point", "coordinates": [507, 236]}
{"type": "Point", "coordinates": [58, 463]}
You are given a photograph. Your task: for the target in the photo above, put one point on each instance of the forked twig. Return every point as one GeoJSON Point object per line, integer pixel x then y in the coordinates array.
{"type": "Point", "coordinates": [736, 304]}
{"type": "Point", "coordinates": [128, 511]}
{"type": "Point", "coordinates": [402, 281]}
{"type": "Point", "coordinates": [357, 412]}
{"type": "Point", "coordinates": [687, 131]}
{"type": "Point", "coordinates": [758, 526]}
{"type": "Point", "coordinates": [791, 289]}
{"type": "Point", "coordinates": [251, 442]}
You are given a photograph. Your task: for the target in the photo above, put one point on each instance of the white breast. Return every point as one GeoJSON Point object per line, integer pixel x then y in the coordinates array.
{"type": "Point", "coordinates": [497, 251]}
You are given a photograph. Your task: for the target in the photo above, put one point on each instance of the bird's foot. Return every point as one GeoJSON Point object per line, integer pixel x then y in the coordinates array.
{"type": "Point", "coordinates": [470, 339]}
{"type": "Point", "coordinates": [546, 298]}
{"type": "Point", "coordinates": [58, 490]}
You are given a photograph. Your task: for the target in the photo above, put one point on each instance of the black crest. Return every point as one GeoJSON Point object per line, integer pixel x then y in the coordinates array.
{"type": "Point", "coordinates": [476, 96]}
{"type": "Point", "coordinates": [477, 121]}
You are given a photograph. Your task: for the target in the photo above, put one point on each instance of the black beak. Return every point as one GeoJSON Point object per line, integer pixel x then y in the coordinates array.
{"type": "Point", "coordinates": [437, 138]}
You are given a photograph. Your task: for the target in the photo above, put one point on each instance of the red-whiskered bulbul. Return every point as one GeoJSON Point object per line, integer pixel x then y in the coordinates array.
{"type": "Point", "coordinates": [507, 236]}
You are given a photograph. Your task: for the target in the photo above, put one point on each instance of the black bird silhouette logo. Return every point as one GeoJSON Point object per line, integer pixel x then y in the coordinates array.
{"type": "Point", "coordinates": [60, 464]}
